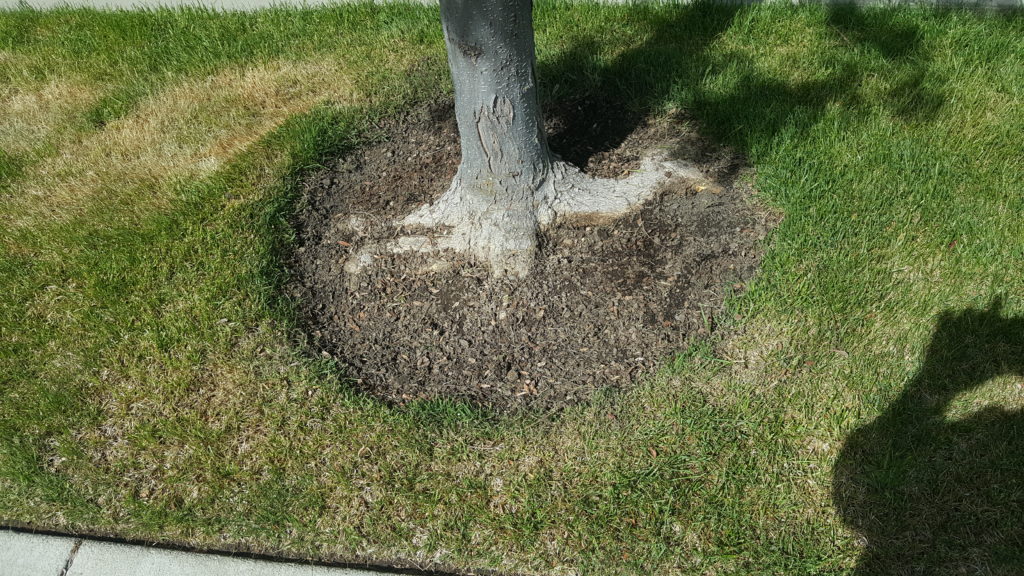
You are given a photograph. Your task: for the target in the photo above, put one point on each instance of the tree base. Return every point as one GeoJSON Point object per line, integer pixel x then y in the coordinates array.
{"type": "Point", "coordinates": [466, 223]}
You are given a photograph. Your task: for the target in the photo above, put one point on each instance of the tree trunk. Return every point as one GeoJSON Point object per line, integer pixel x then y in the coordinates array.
{"type": "Point", "coordinates": [493, 202]}
{"type": "Point", "coordinates": [509, 185]}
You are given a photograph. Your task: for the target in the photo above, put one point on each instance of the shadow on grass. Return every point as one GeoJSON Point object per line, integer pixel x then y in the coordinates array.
{"type": "Point", "coordinates": [597, 105]}
{"type": "Point", "coordinates": [934, 495]}
{"type": "Point", "coordinates": [11, 168]}
{"type": "Point", "coordinates": [603, 102]}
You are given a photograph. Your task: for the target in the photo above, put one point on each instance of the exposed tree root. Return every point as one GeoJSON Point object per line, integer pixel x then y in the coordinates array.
{"type": "Point", "coordinates": [504, 235]}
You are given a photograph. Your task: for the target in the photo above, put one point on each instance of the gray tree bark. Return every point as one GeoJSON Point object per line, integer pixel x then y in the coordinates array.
{"type": "Point", "coordinates": [493, 202]}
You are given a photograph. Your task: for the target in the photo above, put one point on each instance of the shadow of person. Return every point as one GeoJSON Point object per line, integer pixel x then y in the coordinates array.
{"type": "Point", "coordinates": [936, 495]}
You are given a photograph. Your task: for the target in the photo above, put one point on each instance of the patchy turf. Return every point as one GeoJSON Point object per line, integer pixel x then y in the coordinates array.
{"type": "Point", "coordinates": [154, 384]}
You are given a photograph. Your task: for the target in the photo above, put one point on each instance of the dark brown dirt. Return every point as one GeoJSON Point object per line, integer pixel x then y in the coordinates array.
{"type": "Point", "coordinates": [605, 304]}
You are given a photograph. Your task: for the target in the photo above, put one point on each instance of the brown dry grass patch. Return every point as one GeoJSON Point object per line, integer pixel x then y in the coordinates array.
{"type": "Point", "coordinates": [35, 115]}
{"type": "Point", "coordinates": [185, 132]}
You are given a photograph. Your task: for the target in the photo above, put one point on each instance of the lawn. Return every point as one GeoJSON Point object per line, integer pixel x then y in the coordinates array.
{"type": "Point", "coordinates": [865, 394]}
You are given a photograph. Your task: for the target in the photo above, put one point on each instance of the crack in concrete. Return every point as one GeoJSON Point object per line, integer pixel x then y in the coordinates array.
{"type": "Point", "coordinates": [71, 557]}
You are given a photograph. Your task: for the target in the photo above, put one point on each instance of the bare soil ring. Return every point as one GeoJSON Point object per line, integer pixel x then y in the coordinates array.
{"type": "Point", "coordinates": [606, 304]}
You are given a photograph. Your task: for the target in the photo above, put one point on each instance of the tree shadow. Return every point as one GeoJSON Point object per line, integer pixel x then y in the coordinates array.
{"type": "Point", "coordinates": [932, 495]}
{"type": "Point", "coordinates": [893, 39]}
{"type": "Point", "coordinates": [595, 105]}
{"type": "Point", "coordinates": [913, 96]}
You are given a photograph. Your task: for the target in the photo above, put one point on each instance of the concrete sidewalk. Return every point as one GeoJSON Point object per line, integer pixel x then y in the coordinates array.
{"type": "Point", "coordinates": [23, 554]}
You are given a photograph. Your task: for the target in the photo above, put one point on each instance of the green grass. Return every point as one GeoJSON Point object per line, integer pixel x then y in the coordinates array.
{"type": "Point", "coordinates": [10, 169]}
{"type": "Point", "coordinates": [133, 53]}
{"type": "Point", "coordinates": [153, 383]}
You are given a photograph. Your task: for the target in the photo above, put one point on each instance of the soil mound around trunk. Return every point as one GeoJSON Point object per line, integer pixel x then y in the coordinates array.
{"type": "Point", "coordinates": [605, 304]}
